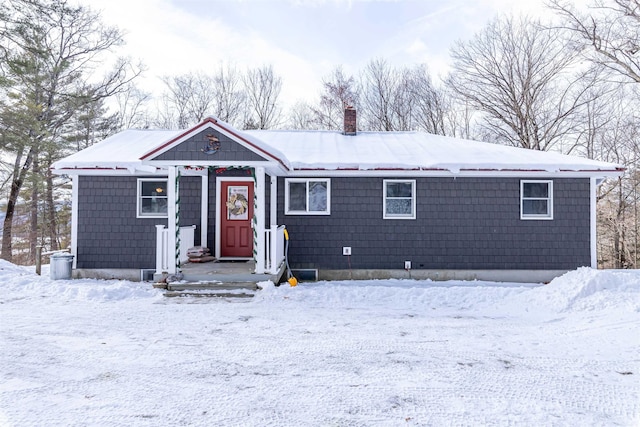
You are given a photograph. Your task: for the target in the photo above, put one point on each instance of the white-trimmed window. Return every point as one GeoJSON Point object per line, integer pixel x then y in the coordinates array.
{"type": "Point", "coordinates": [307, 196]}
{"type": "Point", "coordinates": [152, 198]}
{"type": "Point", "coordinates": [536, 199]}
{"type": "Point", "coordinates": [399, 199]}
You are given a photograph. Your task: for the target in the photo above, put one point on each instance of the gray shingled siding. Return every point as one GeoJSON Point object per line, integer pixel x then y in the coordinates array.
{"type": "Point", "coordinates": [110, 235]}
{"type": "Point", "coordinates": [463, 223]}
{"type": "Point", "coordinates": [192, 149]}
{"type": "Point", "coordinates": [190, 207]}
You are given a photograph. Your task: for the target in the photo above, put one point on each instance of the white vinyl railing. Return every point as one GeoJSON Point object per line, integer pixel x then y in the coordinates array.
{"type": "Point", "coordinates": [164, 256]}
{"type": "Point", "coordinates": [274, 248]}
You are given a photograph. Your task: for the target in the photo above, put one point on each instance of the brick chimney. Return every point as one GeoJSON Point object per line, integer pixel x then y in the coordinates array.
{"type": "Point", "coordinates": [349, 120]}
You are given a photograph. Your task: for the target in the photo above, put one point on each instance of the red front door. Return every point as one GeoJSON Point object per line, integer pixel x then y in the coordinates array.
{"type": "Point", "coordinates": [236, 214]}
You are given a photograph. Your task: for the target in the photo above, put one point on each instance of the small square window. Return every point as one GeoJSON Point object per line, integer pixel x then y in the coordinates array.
{"type": "Point", "coordinates": [307, 196]}
{"type": "Point", "coordinates": [536, 199]}
{"type": "Point", "coordinates": [399, 199]}
{"type": "Point", "coordinates": [152, 198]}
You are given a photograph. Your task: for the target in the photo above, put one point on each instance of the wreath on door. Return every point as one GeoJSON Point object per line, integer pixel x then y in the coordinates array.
{"type": "Point", "coordinates": [237, 204]}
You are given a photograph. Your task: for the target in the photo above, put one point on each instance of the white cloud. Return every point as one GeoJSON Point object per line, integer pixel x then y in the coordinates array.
{"type": "Point", "coordinates": [303, 39]}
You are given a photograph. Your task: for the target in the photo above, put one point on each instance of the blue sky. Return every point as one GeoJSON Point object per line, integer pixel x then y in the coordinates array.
{"type": "Point", "coordinates": [304, 40]}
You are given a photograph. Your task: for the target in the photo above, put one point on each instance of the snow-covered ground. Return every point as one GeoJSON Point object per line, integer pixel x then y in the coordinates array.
{"type": "Point", "coordinates": [370, 353]}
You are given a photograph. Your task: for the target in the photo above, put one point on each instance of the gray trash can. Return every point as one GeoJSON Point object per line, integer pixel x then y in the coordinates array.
{"type": "Point", "coordinates": [60, 267]}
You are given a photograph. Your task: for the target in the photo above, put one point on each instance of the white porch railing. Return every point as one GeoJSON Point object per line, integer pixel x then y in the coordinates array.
{"type": "Point", "coordinates": [164, 256]}
{"type": "Point", "coordinates": [273, 251]}
{"type": "Point", "coordinates": [274, 248]}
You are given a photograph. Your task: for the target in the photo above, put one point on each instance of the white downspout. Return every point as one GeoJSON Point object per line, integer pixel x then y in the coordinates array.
{"type": "Point", "coordinates": [593, 199]}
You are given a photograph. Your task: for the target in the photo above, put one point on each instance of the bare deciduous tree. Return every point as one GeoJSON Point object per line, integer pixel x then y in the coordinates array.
{"type": "Point", "coordinates": [190, 96]}
{"type": "Point", "coordinates": [193, 96]}
{"type": "Point", "coordinates": [230, 98]}
{"type": "Point", "coordinates": [338, 92]}
{"type": "Point", "coordinates": [432, 105]}
{"type": "Point", "coordinates": [610, 32]}
{"type": "Point", "coordinates": [262, 88]}
{"type": "Point", "coordinates": [301, 117]}
{"type": "Point", "coordinates": [524, 81]}
{"type": "Point", "coordinates": [404, 99]}
{"type": "Point", "coordinates": [381, 91]}
{"type": "Point", "coordinates": [617, 140]}
{"type": "Point", "coordinates": [131, 108]}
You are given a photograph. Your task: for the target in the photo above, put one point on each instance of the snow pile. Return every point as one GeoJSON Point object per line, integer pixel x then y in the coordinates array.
{"type": "Point", "coordinates": [399, 294]}
{"type": "Point", "coordinates": [584, 289]}
{"type": "Point", "coordinates": [19, 282]}
{"type": "Point", "coordinates": [9, 269]}
{"type": "Point", "coordinates": [104, 290]}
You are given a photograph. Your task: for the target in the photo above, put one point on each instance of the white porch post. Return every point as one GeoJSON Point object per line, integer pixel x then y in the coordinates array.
{"type": "Point", "coordinates": [273, 213]}
{"type": "Point", "coordinates": [259, 223]}
{"type": "Point", "coordinates": [161, 249]}
{"type": "Point", "coordinates": [171, 218]}
{"type": "Point", "coordinates": [204, 210]}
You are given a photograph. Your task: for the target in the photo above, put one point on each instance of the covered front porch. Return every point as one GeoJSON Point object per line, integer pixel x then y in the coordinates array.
{"type": "Point", "coordinates": [261, 253]}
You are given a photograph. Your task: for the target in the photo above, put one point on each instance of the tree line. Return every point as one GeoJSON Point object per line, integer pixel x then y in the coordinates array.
{"type": "Point", "coordinates": [567, 84]}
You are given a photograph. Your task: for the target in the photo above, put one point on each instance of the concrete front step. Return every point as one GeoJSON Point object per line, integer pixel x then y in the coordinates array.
{"type": "Point", "coordinates": [211, 286]}
{"type": "Point", "coordinates": [209, 294]}
{"type": "Point", "coordinates": [209, 289]}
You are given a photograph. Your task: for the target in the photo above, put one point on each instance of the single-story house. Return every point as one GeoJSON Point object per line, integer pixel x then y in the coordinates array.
{"type": "Point", "coordinates": [355, 204]}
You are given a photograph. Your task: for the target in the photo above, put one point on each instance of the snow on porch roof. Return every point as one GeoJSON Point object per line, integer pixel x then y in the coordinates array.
{"type": "Point", "coordinates": [332, 150]}
{"type": "Point", "coordinates": [120, 151]}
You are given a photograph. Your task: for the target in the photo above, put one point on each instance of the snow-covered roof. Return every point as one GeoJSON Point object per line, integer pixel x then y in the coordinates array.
{"type": "Point", "coordinates": [120, 151]}
{"type": "Point", "coordinates": [332, 150]}
{"type": "Point", "coordinates": [414, 150]}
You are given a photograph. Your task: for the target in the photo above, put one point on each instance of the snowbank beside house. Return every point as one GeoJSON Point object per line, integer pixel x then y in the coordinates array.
{"type": "Point", "coordinates": [584, 289]}
{"type": "Point", "coordinates": [21, 282]}
{"type": "Point", "coordinates": [399, 294]}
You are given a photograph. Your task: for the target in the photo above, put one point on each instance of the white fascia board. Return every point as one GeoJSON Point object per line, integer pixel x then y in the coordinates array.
{"type": "Point", "coordinates": [275, 169]}
{"type": "Point", "coordinates": [223, 163]}
{"type": "Point", "coordinates": [185, 171]}
{"type": "Point", "coordinates": [107, 172]}
{"type": "Point", "coordinates": [449, 174]}
{"type": "Point", "coordinates": [271, 168]}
